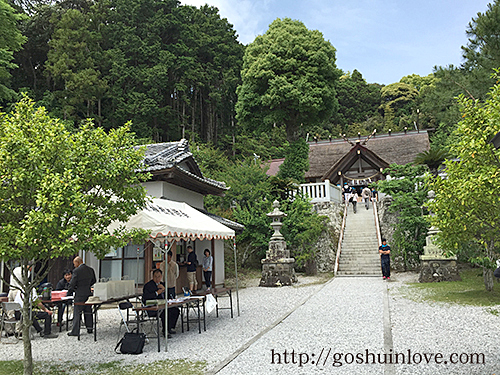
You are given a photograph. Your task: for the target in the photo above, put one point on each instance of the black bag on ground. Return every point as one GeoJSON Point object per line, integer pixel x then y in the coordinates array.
{"type": "Point", "coordinates": [132, 343]}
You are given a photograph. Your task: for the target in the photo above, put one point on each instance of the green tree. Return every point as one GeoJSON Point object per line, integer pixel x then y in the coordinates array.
{"type": "Point", "coordinates": [433, 158]}
{"type": "Point", "coordinates": [288, 78]}
{"type": "Point", "coordinates": [173, 69]}
{"type": "Point", "coordinates": [72, 63]}
{"type": "Point", "coordinates": [296, 161]}
{"type": "Point", "coordinates": [482, 52]}
{"type": "Point", "coordinates": [439, 104]}
{"type": "Point", "coordinates": [397, 101]}
{"type": "Point", "coordinates": [59, 193]}
{"type": "Point", "coordinates": [358, 104]}
{"type": "Point", "coordinates": [467, 202]}
{"type": "Point", "coordinates": [11, 40]}
{"type": "Point", "coordinates": [408, 192]}
{"type": "Point", "coordinates": [302, 228]}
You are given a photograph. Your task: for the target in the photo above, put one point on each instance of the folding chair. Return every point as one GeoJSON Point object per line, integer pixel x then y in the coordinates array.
{"type": "Point", "coordinates": [127, 319]}
{"type": "Point", "coordinates": [8, 306]}
{"type": "Point", "coordinates": [150, 321]}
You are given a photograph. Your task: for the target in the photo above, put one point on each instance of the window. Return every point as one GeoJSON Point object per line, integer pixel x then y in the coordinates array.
{"type": "Point", "coordinates": [124, 263]}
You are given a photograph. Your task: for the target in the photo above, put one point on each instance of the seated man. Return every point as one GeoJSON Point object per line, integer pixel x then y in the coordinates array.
{"type": "Point", "coordinates": [63, 284]}
{"type": "Point", "coordinates": [155, 289]}
{"type": "Point", "coordinates": [40, 312]}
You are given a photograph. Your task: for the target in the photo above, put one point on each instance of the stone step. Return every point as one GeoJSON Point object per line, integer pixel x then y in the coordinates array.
{"type": "Point", "coordinates": [348, 274]}
{"type": "Point", "coordinates": [368, 260]}
{"type": "Point", "coordinates": [360, 272]}
{"type": "Point", "coordinates": [359, 245]}
{"type": "Point", "coordinates": [360, 251]}
{"type": "Point", "coordinates": [359, 267]}
{"type": "Point", "coordinates": [359, 235]}
{"type": "Point", "coordinates": [370, 237]}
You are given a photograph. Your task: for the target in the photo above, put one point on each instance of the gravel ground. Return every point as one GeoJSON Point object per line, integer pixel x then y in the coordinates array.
{"type": "Point", "coordinates": [428, 327]}
{"type": "Point", "coordinates": [259, 307]}
{"type": "Point", "coordinates": [311, 321]}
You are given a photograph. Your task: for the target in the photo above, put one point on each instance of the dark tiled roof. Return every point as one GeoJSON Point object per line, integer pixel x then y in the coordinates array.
{"type": "Point", "coordinates": [237, 227]}
{"type": "Point", "coordinates": [399, 148]}
{"type": "Point", "coordinates": [163, 156]}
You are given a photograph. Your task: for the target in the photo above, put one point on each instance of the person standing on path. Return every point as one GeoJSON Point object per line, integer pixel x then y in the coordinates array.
{"type": "Point", "coordinates": [354, 199]}
{"type": "Point", "coordinates": [385, 259]}
{"type": "Point", "coordinates": [207, 268]}
{"type": "Point", "coordinates": [192, 264]}
{"type": "Point", "coordinates": [172, 275]}
{"type": "Point", "coordinates": [81, 282]}
{"type": "Point", "coordinates": [365, 194]}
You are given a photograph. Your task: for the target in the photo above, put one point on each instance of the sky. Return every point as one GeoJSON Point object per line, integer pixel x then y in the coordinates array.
{"type": "Point", "coordinates": [384, 40]}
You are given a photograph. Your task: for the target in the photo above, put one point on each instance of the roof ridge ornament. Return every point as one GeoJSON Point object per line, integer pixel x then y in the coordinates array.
{"type": "Point", "coordinates": [368, 138]}
{"type": "Point", "coordinates": [347, 139]}
{"type": "Point", "coordinates": [183, 145]}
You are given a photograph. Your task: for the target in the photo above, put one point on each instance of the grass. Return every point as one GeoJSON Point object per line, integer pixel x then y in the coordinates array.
{"type": "Point", "coordinates": [168, 367]}
{"type": "Point", "coordinates": [469, 291]}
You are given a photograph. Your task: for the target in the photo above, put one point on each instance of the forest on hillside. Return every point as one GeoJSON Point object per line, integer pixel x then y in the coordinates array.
{"type": "Point", "coordinates": [177, 71]}
{"type": "Point", "coordinates": [174, 70]}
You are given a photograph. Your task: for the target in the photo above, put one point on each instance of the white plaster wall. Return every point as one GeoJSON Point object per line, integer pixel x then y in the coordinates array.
{"type": "Point", "coordinates": [158, 189]}
{"type": "Point", "coordinates": [91, 261]}
{"type": "Point", "coordinates": [219, 263]}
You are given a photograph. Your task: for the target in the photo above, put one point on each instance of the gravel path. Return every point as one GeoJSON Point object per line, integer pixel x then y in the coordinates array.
{"type": "Point", "coordinates": [344, 321]}
{"type": "Point", "coordinates": [424, 327]}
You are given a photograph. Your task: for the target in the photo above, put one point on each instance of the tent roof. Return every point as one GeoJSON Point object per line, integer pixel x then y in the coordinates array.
{"type": "Point", "coordinates": [175, 220]}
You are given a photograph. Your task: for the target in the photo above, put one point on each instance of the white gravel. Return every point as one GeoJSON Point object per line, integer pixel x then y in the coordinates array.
{"type": "Point", "coordinates": [345, 315]}
{"type": "Point", "coordinates": [431, 327]}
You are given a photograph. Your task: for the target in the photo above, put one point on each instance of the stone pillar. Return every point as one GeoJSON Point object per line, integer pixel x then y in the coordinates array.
{"type": "Point", "coordinates": [277, 268]}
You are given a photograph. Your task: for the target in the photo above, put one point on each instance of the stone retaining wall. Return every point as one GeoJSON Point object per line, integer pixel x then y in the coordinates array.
{"type": "Point", "coordinates": [328, 241]}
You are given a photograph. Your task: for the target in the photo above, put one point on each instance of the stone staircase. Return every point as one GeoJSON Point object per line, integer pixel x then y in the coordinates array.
{"type": "Point", "coordinates": [359, 256]}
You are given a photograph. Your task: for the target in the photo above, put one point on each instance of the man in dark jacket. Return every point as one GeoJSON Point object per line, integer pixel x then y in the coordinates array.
{"type": "Point", "coordinates": [63, 284]}
{"type": "Point", "coordinates": [155, 289]}
{"type": "Point", "coordinates": [81, 282]}
{"type": "Point", "coordinates": [192, 264]}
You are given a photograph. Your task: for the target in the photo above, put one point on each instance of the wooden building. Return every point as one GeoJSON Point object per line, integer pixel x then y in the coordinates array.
{"type": "Point", "coordinates": [359, 161]}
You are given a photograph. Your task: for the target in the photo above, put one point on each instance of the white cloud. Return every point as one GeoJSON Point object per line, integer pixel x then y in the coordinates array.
{"type": "Point", "coordinates": [248, 17]}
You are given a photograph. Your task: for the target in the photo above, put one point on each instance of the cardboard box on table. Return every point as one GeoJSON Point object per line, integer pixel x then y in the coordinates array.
{"type": "Point", "coordinates": [114, 289]}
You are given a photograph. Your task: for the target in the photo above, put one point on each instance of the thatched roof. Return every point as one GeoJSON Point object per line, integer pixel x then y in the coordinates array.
{"type": "Point", "coordinates": [399, 148]}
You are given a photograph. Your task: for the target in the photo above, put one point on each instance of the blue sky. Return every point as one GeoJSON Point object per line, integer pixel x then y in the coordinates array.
{"type": "Point", "coordinates": [383, 39]}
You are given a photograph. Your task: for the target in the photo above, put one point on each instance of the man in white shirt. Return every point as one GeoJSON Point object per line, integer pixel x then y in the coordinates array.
{"type": "Point", "coordinates": [40, 312]}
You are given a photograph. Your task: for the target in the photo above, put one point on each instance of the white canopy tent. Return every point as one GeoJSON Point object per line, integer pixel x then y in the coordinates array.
{"type": "Point", "coordinates": [174, 221]}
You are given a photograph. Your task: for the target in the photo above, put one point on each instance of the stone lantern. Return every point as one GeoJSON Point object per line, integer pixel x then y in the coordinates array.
{"type": "Point", "coordinates": [277, 268]}
{"type": "Point", "coordinates": [434, 266]}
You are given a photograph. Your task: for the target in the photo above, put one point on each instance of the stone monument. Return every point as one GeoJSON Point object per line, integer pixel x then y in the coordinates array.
{"type": "Point", "coordinates": [434, 266]}
{"type": "Point", "coordinates": [277, 268]}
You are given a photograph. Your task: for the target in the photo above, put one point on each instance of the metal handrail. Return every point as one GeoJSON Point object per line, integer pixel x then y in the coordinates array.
{"type": "Point", "coordinates": [339, 246]}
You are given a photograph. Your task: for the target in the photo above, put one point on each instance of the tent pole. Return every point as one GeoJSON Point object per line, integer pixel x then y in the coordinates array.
{"type": "Point", "coordinates": [236, 273]}
{"type": "Point", "coordinates": [165, 260]}
{"type": "Point", "coordinates": [2, 274]}
{"type": "Point", "coordinates": [165, 326]}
